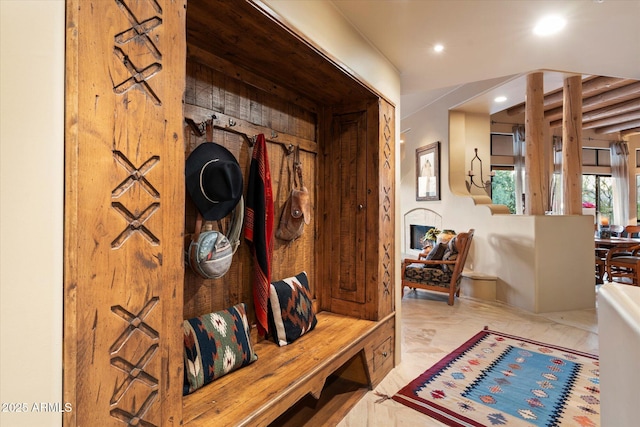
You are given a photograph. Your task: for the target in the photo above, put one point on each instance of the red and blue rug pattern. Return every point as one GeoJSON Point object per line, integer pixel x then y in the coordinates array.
{"type": "Point", "coordinates": [496, 379]}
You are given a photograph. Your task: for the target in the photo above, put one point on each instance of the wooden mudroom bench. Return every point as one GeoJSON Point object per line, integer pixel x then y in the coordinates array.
{"type": "Point", "coordinates": [150, 81]}
{"type": "Point", "coordinates": [257, 394]}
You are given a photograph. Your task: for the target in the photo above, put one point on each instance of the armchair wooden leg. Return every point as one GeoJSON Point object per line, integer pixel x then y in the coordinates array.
{"type": "Point", "coordinates": [451, 298]}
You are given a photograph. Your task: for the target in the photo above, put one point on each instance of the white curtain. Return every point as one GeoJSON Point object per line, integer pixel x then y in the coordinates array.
{"type": "Point", "coordinates": [518, 163]}
{"type": "Point", "coordinates": [620, 174]}
{"type": "Point", "coordinates": [555, 190]}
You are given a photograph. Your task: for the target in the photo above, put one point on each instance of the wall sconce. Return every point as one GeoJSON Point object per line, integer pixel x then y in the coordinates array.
{"type": "Point", "coordinates": [485, 185]}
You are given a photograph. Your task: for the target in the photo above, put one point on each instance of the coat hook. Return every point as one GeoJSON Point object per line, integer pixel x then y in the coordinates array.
{"type": "Point", "coordinates": [289, 148]}
{"type": "Point", "coordinates": [232, 122]}
{"type": "Point", "coordinates": [197, 129]}
{"type": "Point", "coordinates": [274, 134]}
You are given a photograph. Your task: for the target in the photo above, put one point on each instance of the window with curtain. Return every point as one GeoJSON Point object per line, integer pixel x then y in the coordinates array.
{"type": "Point", "coordinates": [598, 189]}
{"type": "Point", "coordinates": [620, 174]}
{"type": "Point", "coordinates": [503, 182]}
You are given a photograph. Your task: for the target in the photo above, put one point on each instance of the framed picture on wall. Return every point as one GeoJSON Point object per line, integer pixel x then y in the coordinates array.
{"type": "Point", "coordinates": [428, 172]}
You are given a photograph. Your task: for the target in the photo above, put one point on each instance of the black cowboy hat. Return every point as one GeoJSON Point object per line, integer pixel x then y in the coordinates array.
{"type": "Point", "coordinates": [214, 180]}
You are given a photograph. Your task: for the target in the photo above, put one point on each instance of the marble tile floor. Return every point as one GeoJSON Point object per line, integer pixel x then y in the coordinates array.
{"type": "Point", "coordinates": [431, 329]}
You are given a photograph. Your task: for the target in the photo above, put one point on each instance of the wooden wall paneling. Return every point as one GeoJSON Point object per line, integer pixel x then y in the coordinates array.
{"type": "Point", "coordinates": [303, 123]}
{"type": "Point", "coordinates": [190, 83]}
{"type": "Point", "coordinates": [254, 79]}
{"type": "Point", "coordinates": [256, 106]}
{"type": "Point", "coordinates": [235, 99]}
{"type": "Point", "coordinates": [385, 283]}
{"type": "Point", "coordinates": [125, 197]}
{"type": "Point", "coordinates": [203, 86]}
{"type": "Point", "coordinates": [252, 111]}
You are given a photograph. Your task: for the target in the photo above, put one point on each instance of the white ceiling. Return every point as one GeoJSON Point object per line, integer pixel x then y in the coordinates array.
{"type": "Point", "coordinates": [487, 39]}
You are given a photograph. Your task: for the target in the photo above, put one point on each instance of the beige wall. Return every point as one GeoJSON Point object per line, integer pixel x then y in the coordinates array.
{"type": "Point", "coordinates": [31, 206]}
{"type": "Point", "coordinates": [32, 168]}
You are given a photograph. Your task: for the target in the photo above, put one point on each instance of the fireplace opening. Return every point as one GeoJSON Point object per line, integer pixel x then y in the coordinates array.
{"type": "Point", "coordinates": [416, 233]}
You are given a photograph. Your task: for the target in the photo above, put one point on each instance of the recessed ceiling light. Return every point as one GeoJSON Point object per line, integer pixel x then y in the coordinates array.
{"type": "Point", "coordinates": [500, 99]}
{"type": "Point", "coordinates": [438, 48]}
{"type": "Point", "coordinates": [549, 25]}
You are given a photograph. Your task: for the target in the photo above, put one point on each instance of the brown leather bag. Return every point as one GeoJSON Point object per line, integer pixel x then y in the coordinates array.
{"type": "Point", "coordinates": [296, 212]}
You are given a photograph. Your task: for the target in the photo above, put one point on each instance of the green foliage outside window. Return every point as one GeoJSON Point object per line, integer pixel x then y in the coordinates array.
{"type": "Point", "coordinates": [503, 189]}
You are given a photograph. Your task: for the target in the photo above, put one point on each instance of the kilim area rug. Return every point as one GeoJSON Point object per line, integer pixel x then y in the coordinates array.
{"type": "Point", "coordinates": [496, 379]}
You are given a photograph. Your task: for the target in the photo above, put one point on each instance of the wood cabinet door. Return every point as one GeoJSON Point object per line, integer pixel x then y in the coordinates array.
{"type": "Point", "coordinates": [357, 205]}
{"type": "Point", "coordinates": [345, 191]}
{"type": "Point", "coordinates": [124, 212]}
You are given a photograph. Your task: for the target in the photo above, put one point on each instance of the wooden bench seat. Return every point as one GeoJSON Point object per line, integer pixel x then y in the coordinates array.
{"type": "Point", "coordinates": [257, 394]}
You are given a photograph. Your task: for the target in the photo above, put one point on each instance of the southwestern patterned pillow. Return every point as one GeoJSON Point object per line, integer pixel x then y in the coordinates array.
{"type": "Point", "coordinates": [214, 345]}
{"type": "Point", "coordinates": [450, 254]}
{"type": "Point", "coordinates": [437, 252]}
{"type": "Point", "coordinates": [290, 309]}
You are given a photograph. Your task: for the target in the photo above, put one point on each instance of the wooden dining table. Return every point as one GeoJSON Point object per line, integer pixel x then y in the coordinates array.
{"type": "Point", "coordinates": [616, 242]}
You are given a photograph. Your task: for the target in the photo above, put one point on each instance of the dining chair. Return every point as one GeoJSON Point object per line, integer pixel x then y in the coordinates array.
{"type": "Point", "coordinates": [631, 231]}
{"type": "Point", "coordinates": [623, 268]}
{"type": "Point", "coordinates": [601, 264]}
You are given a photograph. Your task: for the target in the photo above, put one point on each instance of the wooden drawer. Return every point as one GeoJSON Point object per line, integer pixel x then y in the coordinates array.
{"type": "Point", "coordinates": [379, 351]}
{"type": "Point", "coordinates": [381, 354]}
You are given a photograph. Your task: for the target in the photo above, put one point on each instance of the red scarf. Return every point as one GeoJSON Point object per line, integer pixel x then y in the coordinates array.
{"type": "Point", "coordinates": [258, 229]}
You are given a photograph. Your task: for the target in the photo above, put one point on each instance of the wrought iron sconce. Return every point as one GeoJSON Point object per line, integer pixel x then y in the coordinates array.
{"type": "Point", "coordinates": [485, 185]}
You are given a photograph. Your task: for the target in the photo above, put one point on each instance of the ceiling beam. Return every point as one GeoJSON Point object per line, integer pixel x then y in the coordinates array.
{"type": "Point", "coordinates": [589, 86]}
{"type": "Point", "coordinates": [628, 132]}
{"type": "Point", "coordinates": [612, 110]}
{"type": "Point", "coordinates": [610, 96]}
{"type": "Point", "coordinates": [618, 127]}
{"type": "Point", "coordinates": [612, 114]}
{"type": "Point", "coordinates": [633, 115]}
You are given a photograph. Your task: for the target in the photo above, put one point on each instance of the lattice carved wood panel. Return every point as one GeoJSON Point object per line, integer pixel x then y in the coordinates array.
{"type": "Point", "coordinates": [125, 208]}
{"type": "Point", "coordinates": [387, 216]}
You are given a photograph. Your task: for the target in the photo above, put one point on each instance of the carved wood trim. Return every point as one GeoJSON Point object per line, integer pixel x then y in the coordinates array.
{"type": "Point", "coordinates": [124, 210]}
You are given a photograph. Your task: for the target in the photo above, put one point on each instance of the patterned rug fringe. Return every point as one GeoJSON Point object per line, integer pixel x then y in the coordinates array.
{"type": "Point", "coordinates": [382, 397]}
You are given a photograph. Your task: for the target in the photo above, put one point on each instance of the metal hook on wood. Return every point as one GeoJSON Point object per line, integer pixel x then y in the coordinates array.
{"type": "Point", "coordinates": [197, 129]}
{"type": "Point", "coordinates": [252, 141]}
{"type": "Point", "coordinates": [274, 134]}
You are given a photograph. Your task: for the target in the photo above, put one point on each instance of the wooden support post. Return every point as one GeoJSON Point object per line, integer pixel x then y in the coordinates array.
{"type": "Point", "coordinates": [536, 186]}
{"type": "Point", "coordinates": [572, 146]}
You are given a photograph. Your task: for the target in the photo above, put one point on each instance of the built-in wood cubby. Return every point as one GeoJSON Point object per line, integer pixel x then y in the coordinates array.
{"type": "Point", "coordinates": [147, 82]}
